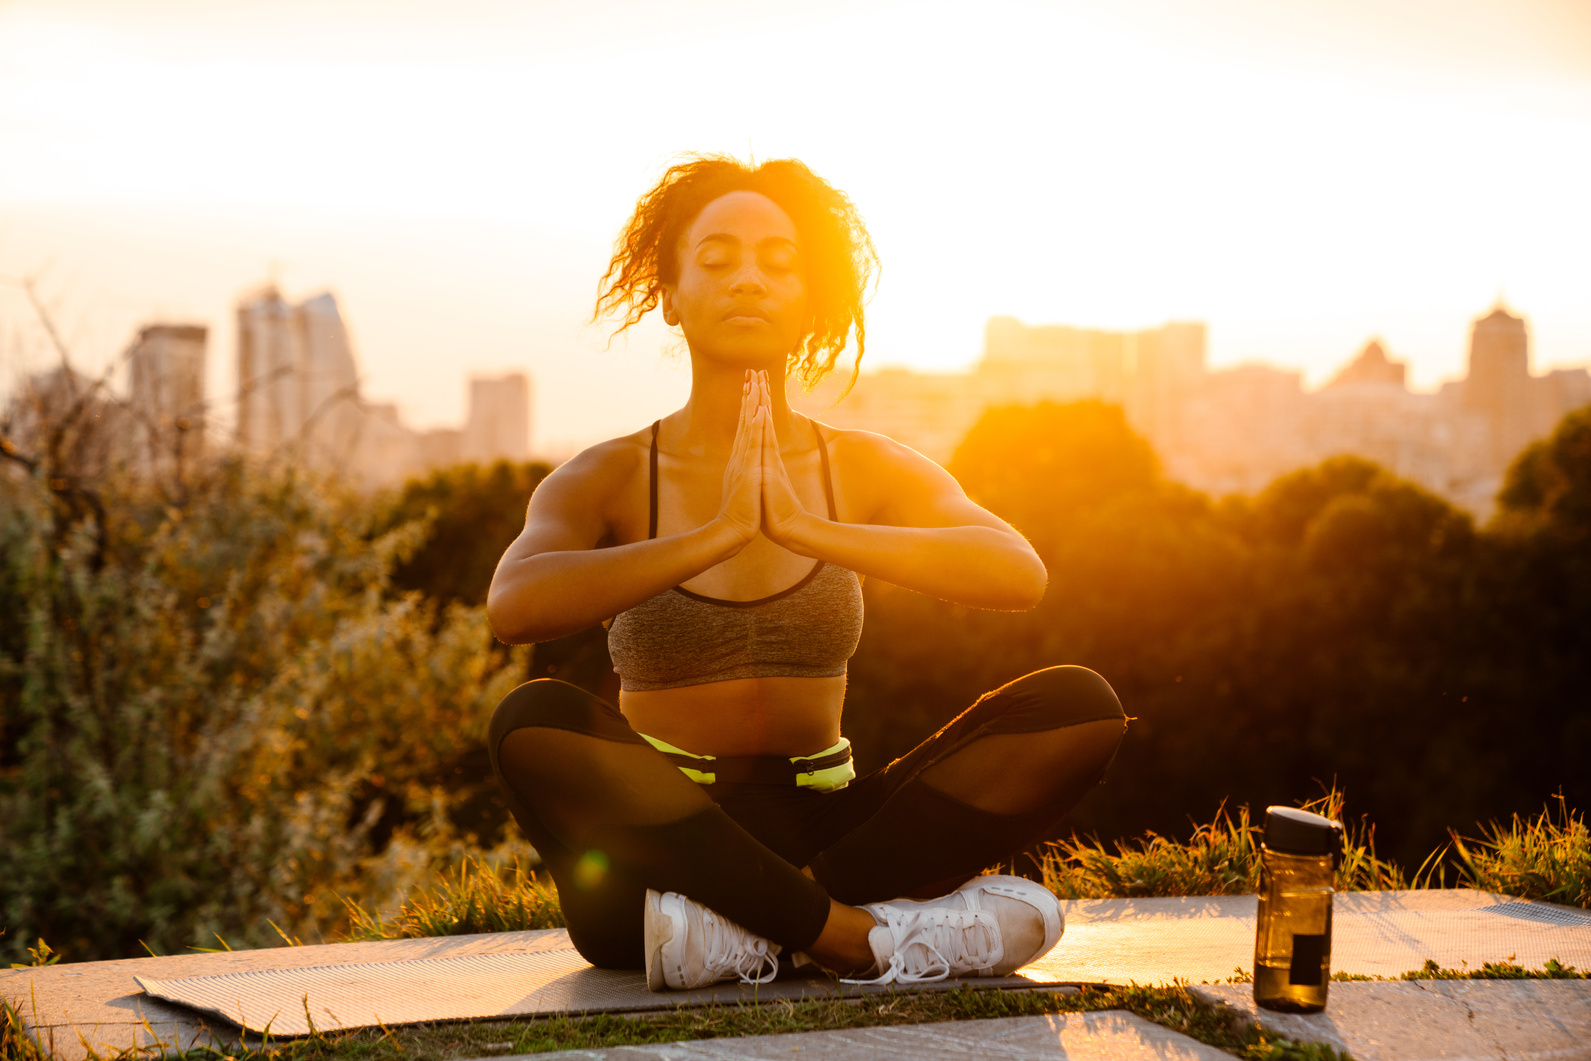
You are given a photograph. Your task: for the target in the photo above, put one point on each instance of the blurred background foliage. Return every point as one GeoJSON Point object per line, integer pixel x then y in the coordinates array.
{"type": "Point", "coordinates": [236, 699]}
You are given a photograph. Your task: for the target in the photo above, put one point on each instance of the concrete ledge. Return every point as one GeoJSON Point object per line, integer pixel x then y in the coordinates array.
{"type": "Point", "coordinates": [1108, 1036]}
{"type": "Point", "coordinates": [1417, 1020]}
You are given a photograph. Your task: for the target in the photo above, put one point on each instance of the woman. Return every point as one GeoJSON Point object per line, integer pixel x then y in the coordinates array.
{"type": "Point", "coordinates": [713, 820]}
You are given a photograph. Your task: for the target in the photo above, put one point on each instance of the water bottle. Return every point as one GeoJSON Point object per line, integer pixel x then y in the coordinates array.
{"type": "Point", "coordinates": [1292, 940]}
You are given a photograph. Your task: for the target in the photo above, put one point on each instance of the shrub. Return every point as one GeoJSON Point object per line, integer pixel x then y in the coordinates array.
{"type": "Point", "coordinates": [214, 714]}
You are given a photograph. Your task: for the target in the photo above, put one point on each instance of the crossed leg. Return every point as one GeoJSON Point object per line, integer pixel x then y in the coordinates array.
{"type": "Point", "coordinates": [611, 817]}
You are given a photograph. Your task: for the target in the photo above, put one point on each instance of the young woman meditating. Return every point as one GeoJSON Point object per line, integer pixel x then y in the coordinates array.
{"type": "Point", "coordinates": [713, 818]}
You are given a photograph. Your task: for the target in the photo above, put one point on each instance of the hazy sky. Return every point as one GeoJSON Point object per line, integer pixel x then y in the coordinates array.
{"type": "Point", "coordinates": [1300, 175]}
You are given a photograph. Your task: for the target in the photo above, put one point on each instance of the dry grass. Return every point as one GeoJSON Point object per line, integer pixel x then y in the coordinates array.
{"type": "Point", "coordinates": [1546, 857]}
{"type": "Point", "coordinates": [1222, 857]}
{"type": "Point", "coordinates": [476, 897]}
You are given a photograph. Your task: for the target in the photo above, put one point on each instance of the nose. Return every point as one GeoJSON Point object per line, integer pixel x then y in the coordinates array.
{"type": "Point", "coordinates": [748, 279]}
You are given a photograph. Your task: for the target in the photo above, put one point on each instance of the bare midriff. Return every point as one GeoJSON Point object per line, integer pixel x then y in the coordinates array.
{"type": "Point", "coordinates": [744, 716]}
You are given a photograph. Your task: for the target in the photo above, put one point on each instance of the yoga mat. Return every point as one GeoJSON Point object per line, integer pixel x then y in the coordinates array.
{"type": "Point", "coordinates": [1106, 941]}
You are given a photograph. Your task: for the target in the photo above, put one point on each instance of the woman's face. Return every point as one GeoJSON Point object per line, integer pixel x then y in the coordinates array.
{"type": "Point", "coordinates": [741, 296]}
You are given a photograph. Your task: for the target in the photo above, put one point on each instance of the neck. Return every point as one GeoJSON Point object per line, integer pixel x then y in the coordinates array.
{"type": "Point", "coordinates": [709, 418]}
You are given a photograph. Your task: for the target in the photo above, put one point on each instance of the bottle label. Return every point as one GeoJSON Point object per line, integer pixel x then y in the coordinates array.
{"type": "Point", "coordinates": [1309, 958]}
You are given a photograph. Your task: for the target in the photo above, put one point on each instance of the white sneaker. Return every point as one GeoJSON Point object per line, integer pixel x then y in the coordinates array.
{"type": "Point", "coordinates": [688, 946]}
{"type": "Point", "coordinates": [990, 926]}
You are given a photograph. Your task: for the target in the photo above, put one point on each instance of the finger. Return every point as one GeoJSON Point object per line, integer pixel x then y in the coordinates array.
{"type": "Point", "coordinates": [770, 445]}
{"type": "Point", "coordinates": [748, 406]}
{"type": "Point", "coordinates": [754, 452]}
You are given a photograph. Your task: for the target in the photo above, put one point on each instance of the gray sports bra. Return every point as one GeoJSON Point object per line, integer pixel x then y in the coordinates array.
{"type": "Point", "coordinates": [681, 638]}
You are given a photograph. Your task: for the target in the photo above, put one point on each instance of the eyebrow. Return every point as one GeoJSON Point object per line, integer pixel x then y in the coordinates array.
{"type": "Point", "coordinates": [725, 237]}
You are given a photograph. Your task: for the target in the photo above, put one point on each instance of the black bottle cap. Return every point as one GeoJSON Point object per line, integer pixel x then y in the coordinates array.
{"type": "Point", "coordinates": [1297, 832]}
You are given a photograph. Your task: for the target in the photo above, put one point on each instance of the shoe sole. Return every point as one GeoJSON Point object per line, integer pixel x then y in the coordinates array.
{"type": "Point", "coordinates": [659, 932]}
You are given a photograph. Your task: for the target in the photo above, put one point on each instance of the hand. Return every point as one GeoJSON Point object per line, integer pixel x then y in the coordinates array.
{"type": "Point", "coordinates": [741, 504]}
{"type": "Point", "coordinates": [782, 512]}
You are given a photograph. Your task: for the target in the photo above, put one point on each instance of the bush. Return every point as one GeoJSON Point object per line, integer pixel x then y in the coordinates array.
{"type": "Point", "coordinates": [214, 714]}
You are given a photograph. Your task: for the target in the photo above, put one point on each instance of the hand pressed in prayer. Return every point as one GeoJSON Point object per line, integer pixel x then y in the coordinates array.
{"type": "Point", "coordinates": [741, 504]}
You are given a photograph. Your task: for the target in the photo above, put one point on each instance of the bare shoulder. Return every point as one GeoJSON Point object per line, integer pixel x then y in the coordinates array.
{"type": "Point", "coordinates": [595, 479]}
{"type": "Point", "coordinates": [869, 453]}
{"type": "Point", "coordinates": [879, 479]}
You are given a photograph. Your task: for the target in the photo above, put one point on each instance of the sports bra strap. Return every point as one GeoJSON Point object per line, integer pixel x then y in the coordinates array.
{"type": "Point", "coordinates": [828, 483]}
{"type": "Point", "coordinates": [823, 456]}
{"type": "Point", "coordinates": [652, 532]}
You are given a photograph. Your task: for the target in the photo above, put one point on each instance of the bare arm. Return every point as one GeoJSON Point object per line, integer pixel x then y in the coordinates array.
{"type": "Point", "coordinates": [923, 532]}
{"type": "Point", "coordinates": [553, 580]}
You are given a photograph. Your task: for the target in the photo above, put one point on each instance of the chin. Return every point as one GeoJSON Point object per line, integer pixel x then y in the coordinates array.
{"type": "Point", "coordinates": [744, 355]}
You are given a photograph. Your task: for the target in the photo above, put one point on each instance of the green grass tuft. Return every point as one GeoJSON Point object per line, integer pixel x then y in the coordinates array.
{"type": "Point", "coordinates": [15, 1043]}
{"type": "Point", "coordinates": [1544, 858]}
{"type": "Point", "coordinates": [476, 897]}
{"type": "Point", "coordinates": [1221, 858]}
{"type": "Point", "coordinates": [1553, 970]}
{"type": "Point", "coordinates": [1547, 857]}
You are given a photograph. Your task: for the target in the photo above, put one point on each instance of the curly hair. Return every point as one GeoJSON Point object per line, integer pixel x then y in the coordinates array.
{"type": "Point", "coordinates": [834, 242]}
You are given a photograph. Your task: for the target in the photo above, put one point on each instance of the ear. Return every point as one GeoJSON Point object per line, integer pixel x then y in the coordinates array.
{"type": "Point", "coordinates": [665, 302]}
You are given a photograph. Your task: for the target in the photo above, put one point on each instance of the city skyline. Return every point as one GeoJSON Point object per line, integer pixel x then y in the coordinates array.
{"type": "Point", "coordinates": [1297, 179]}
{"type": "Point", "coordinates": [297, 393]}
{"type": "Point", "coordinates": [1235, 429]}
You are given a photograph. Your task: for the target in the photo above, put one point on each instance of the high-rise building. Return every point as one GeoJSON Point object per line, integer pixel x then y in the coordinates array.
{"type": "Point", "coordinates": [498, 426]}
{"type": "Point", "coordinates": [329, 381]}
{"type": "Point", "coordinates": [1167, 367]}
{"type": "Point", "coordinates": [166, 366]}
{"type": "Point", "coordinates": [1151, 373]}
{"type": "Point", "coordinates": [1054, 362]}
{"type": "Point", "coordinates": [1498, 385]}
{"type": "Point", "coordinates": [297, 381]}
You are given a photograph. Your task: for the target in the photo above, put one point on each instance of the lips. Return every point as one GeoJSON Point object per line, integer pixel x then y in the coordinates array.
{"type": "Point", "coordinates": [746, 313]}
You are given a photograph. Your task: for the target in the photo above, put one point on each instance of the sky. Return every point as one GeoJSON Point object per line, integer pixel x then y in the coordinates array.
{"type": "Point", "coordinates": [1302, 176]}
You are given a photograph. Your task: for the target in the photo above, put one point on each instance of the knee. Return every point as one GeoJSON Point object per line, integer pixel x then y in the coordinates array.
{"type": "Point", "coordinates": [549, 704]}
{"type": "Point", "coordinates": [1055, 698]}
{"type": "Point", "coordinates": [607, 945]}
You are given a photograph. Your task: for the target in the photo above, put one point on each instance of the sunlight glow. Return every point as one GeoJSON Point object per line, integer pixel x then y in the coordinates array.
{"type": "Point", "coordinates": [1077, 163]}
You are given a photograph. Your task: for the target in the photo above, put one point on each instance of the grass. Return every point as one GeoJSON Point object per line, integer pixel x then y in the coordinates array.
{"type": "Point", "coordinates": [1221, 858]}
{"type": "Point", "coordinates": [476, 897]}
{"type": "Point", "coordinates": [1553, 970]}
{"type": "Point", "coordinates": [1547, 857]}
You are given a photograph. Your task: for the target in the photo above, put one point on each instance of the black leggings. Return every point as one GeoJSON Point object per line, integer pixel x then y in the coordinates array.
{"type": "Point", "coordinates": [611, 816]}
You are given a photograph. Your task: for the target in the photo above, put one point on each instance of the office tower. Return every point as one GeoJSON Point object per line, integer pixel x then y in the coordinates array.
{"type": "Point", "coordinates": [1498, 387]}
{"type": "Point", "coordinates": [1167, 366]}
{"type": "Point", "coordinates": [328, 381]}
{"type": "Point", "coordinates": [498, 427]}
{"type": "Point", "coordinates": [297, 381]}
{"type": "Point", "coordinates": [166, 393]}
{"type": "Point", "coordinates": [1053, 361]}
{"type": "Point", "coordinates": [270, 361]}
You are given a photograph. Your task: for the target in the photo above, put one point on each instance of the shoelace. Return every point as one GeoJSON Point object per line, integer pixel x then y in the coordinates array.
{"type": "Point", "coordinates": [931, 942]}
{"type": "Point", "coordinates": [728, 948]}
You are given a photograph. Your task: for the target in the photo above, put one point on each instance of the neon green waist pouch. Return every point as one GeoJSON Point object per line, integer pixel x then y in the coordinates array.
{"type": "Point", "coordinates": [825, 771]}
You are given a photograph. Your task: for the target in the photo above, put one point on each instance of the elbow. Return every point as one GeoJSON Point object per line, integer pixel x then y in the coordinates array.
{"type": "Point", "coordinates": [1028, 584]}
{"type": "Point", "coordinates": [509, 623]}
